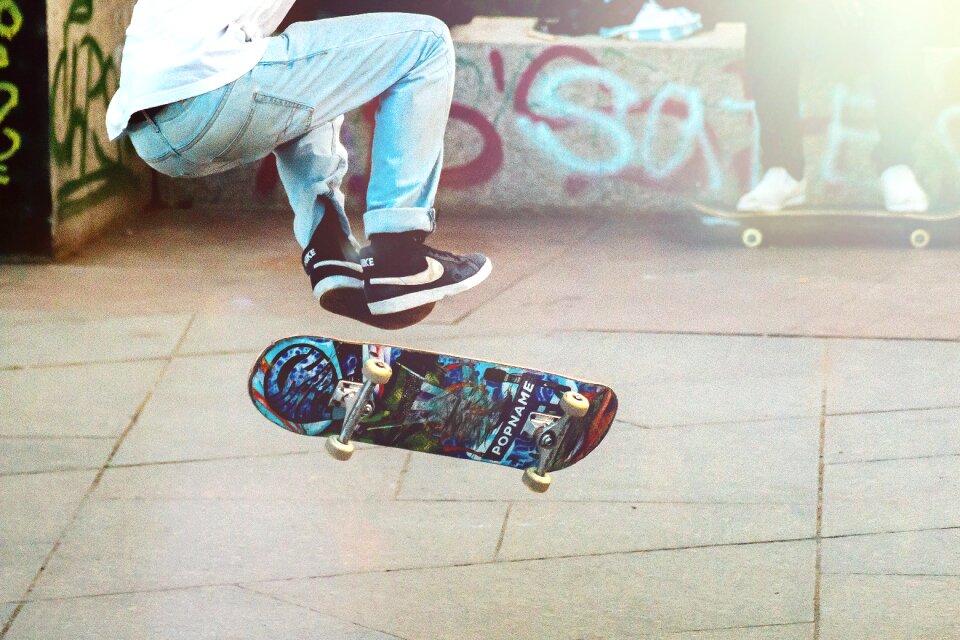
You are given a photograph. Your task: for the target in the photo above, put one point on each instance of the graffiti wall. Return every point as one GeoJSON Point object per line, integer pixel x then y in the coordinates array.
{"type": "Point", "coordinates": [24, 164]}
{"type": "Point", "coordinates": [61, 180]}
{"type": "Point", "coordinates": [94, 181]}
{"type": "Point", "coordinates": [595, 123]}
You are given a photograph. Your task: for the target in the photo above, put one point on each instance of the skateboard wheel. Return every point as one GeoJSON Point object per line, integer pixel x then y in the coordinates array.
{"type": "Point", "coordinates": [536, 482]}
{"type": "Point", "coordinates": [574, 404]}
{"type": "Point", "coordinates": [920, 239]}
{"type": "Point", "coordinates": [338, 450]}
{"type": "Point", "coordinates": [752, 238]}
{"type": "Point", "coordinates": [377, 371]}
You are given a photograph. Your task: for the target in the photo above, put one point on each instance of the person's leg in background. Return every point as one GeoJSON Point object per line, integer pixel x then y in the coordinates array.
{"type": "Point", "coordinates": [776, 38]}
{"type": "Point", "coordinates": [896, 44]}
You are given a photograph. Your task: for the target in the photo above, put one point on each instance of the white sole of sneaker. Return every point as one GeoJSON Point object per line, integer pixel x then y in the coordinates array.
{"type": "Point", "coordinates": [327, 285]}
{"type": "Point", "coordinates": [420, 298]}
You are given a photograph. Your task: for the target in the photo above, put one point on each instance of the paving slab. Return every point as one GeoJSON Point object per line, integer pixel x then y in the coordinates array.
{"type": "Point", "coordinates": [34, 455]}
{"type": "Point", "coordinates": [754, 463]}
{"type": "Point", "coordinates": [94, 400]}
{"type": "Point", "coordinates": [931, 553]}
{"type": "Point", "coordinates": [122, 545]}
{"type": "Point", "coordinates": [37, 507]}
{"type": "Point", "coordinates": [798, 631]}
{"type": "Point", "coordinates": [560, 529]}
{"type": "Point", "coordinates": [72, 340]}
{"type": "Point", "coordinates": [891, 495]}
{"type": "Point", "coordinates": [619, 596]}
{"type": "Point", "coordinates": [201, 409]}
{"type": "Point", "coordinates": [371, 475]}
{"type": "Point", "coordinates": [868, 376]}
{"type": "Point", "coordinates": [892, 435]}
{"type": "Point", "coordinates": [856, 607]}
{"type": "Point", "coordinates": [223, 612]}
{"type": "Point", "coordinates": [19, 564]}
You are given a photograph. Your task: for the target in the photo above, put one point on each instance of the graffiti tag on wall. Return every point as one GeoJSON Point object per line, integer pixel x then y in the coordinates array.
{"type": "Point", "coordinates": [84, 79]}
{"type": "Point", "coordinates": [11, 21]}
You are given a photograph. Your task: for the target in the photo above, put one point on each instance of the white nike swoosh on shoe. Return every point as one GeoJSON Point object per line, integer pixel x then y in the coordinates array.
{"type": "Point", "coordinates": [432, 273]}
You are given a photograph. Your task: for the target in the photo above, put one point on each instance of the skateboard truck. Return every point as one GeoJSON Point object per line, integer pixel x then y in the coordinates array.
{"type": "Point", "coordinates": [574, 405]}
{"type": "Point", "coordinates": [355, 398]}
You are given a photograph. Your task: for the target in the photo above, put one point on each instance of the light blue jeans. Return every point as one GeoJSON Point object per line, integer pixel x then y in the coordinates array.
{"type": "Point", "coordinates": [292, 104]}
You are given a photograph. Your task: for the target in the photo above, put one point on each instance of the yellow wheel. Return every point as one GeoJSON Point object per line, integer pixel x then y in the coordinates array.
{"type": "Point", "coordinates": [920, 239]}
{"type": "Point", "coordinates": [377, 371]}
{"type": "Point", "coordinates": [574, 404]}
{"type": "Point", "coordinates": [338, 450]}
{"type": "Point", "coordinates": [536, 482]}
{"type": "Point", "coordinates": [752, 238]}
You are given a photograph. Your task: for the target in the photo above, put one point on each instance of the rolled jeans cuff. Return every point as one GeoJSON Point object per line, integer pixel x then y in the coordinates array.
{"type": "Point", "coordinates": [399, 220]}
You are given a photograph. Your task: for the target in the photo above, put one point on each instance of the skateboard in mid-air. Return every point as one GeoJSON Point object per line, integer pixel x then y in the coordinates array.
{"type": "Point", "coordinates": [753, 226]}
{"type": "Point", "coordinates": [348, 392]}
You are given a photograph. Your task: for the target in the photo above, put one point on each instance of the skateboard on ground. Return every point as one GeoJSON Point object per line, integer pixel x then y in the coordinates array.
{"type": "Point", "coordinates": [437, 403]}
{"type": "Point", "coordinates": [916, 227]}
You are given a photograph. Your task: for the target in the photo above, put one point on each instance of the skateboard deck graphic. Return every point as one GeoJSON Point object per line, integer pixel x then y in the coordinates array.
{"type": "Point", "coordinates": [433, 403]}
{"type": "Point", "coordinates": [916, 227]}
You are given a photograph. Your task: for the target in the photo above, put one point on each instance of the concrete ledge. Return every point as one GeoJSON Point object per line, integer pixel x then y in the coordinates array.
{"type": "Point", "coordinates": [588, 122]}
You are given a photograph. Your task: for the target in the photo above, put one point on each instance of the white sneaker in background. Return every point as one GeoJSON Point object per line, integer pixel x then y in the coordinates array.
{"type": "Point", "coordinates": [777, 191]}
{"type": "Point", "coordinates": [902, 192]}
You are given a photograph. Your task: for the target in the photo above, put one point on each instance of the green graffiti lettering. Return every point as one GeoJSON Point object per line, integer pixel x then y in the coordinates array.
{"type": "Point", "coordinates": [84, 78]}
{"type": "Point", "coordinates": [13, 99]}
{"type": "Point", "coordinates": [9, 9]}
{"type": "Point", "coordinates": [4, 58]}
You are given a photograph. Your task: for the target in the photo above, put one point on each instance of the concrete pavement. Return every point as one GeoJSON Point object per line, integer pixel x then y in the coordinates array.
{"type": "Point", "coordinates": [786, 463]}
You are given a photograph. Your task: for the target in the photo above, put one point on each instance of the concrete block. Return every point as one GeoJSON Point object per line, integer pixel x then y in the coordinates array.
{"type": "Point", "coordinates": [893, 495]}
{"type": "Point", "coordinates": [123, 545]}
{"type": "Point", "coordinates": [76, 340]}
{"type": "Point", "coordinates": [68, 401]}
{"type": "Point", "coordinates": [933, 552]}
{"type": "Point", "coordinates": [34, 455]}
{"type": "Point", "coordinates": [861, 607]}
{"type": "Point", "coordinates": [619, 596]}
{"type": "Point", "coordinates": [892, 435]}
{"type": "Point", "coordinates": [19, 564]}
{"type": "Point", "coordinates": [541, 529]}
{"type": "Point", "coordinates": [37, 508]}
{"type": "Point", "coordinates": [892, 375]}
{"type": "Point", "coordinates": [222, 612]}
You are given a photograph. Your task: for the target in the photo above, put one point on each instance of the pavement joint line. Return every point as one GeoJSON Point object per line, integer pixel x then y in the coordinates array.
{"type": "Point", "coordinates": [247, 584]}
{"type": "Point", "coordinates": [721, 423]}
{"type": "Point", "coordinates": [821, 474]}
{"type": "Point", "coordinates": [509, 561]}
{"type": "Point", "coordinates": [300, 605]}
{"type": "Point", "coordinates": [95, 483]}
{"type": "Point", "coordinates": [402, 476]}
{"type": "Point", "coordinates": [868, 412]}
{"type": "Point", "coordinates": [775, 625]}
{"type": "Point", "coordinates": [41, 472]}
{"type": "Point", "coordinates": [80, 363]}
{"type": "Point", "coordinates": [933, 456]}
{"type": "Point", "coordinates": [893, 574]}
{"type": "Point", "coordinates": [503, 530]}
{"type": "Point", "coordinates": [165, 463]}
{"type": "Point", "coordinates": [867, 534]}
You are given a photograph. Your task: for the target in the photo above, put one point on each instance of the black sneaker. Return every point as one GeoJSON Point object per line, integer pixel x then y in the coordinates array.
{"type": "Point", "coordinates": [331, 260]}
{"type": "Point", "coordinates": [402, 273]}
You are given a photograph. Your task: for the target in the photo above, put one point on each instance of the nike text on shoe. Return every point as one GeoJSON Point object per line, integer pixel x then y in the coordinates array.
{"type": "Point", "coordinates": [331, 265]}
{"type": "Point", "coordinates": [403, 276]}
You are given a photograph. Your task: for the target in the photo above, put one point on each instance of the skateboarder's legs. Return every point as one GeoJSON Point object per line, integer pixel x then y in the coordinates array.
{"type": "Point", "coordinates": [309, 76]}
